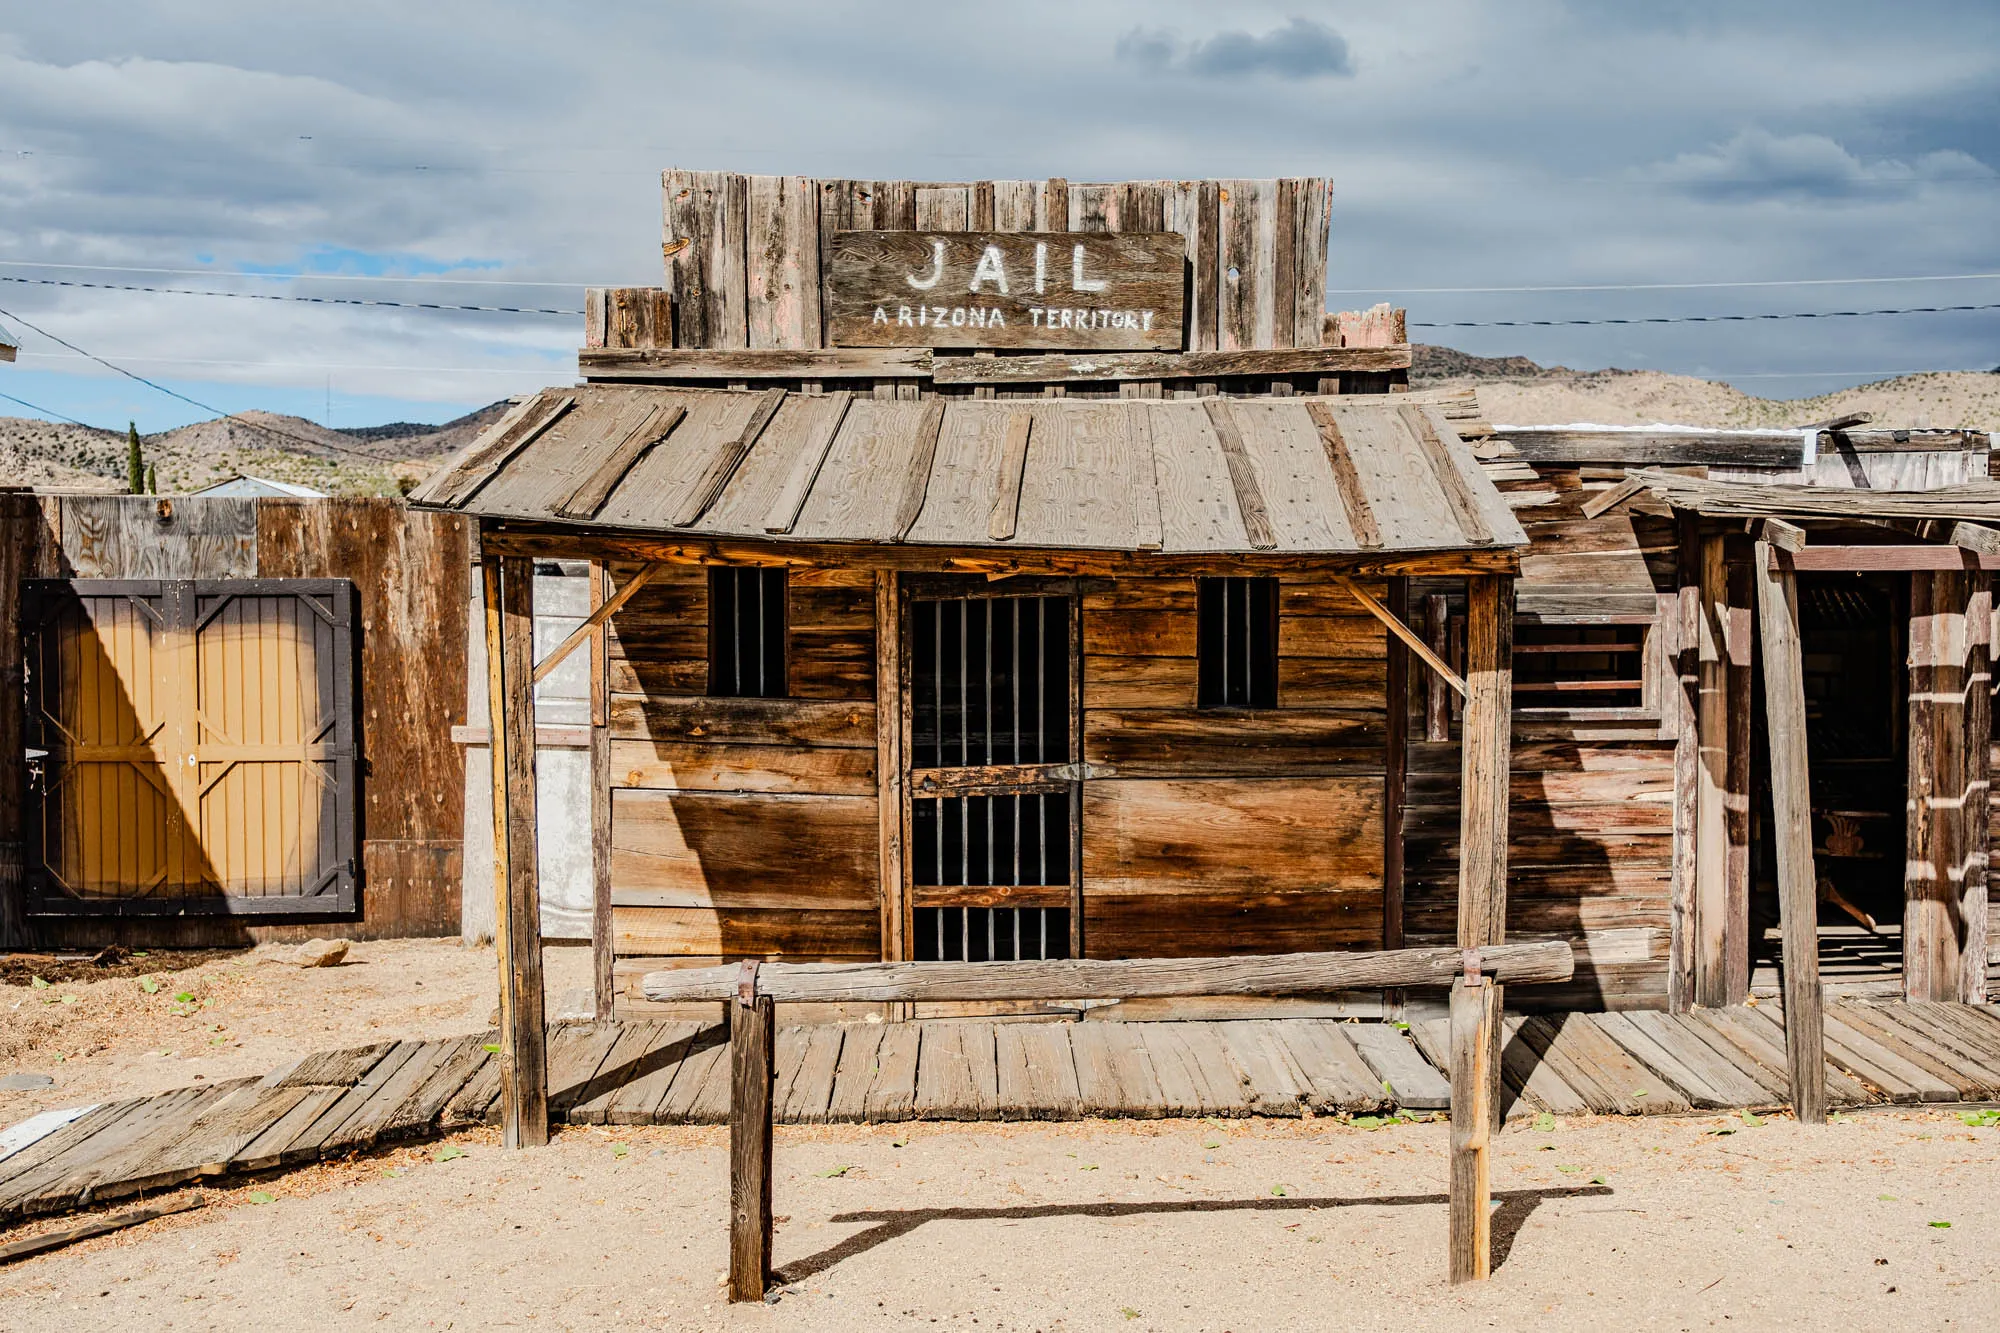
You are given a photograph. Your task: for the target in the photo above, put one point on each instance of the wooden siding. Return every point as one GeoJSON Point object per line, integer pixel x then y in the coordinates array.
{"type": "Point", "coordinates": [743, 827]}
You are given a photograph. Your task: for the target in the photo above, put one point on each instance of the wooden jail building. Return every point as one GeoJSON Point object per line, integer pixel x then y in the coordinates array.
{"type": "Point", "coordinates": [996, 570]}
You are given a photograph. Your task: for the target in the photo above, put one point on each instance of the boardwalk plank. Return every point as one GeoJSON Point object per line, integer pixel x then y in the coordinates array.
{"type": "Point", "coordinates": [1413, 1082]}
{"type": "Point", "coordinates": [638, 1102]}
{"type": "Point", "coordinates": [893, 1091]}
{"type": "Point", "coordinates": [1221, 1080]}
{"type": "Point", "coordinates": [1701, 1026]}
{"type": "Point", "coordinates": [944, 1075]}
{"type": "Point", "coordinates": [1132, 1067]}
{"type": "Point", "coordinates": [1861, 1055]}
{"type": "Point", "coordinates": [57, 1182]}
{"type": "Point", "coordinates": [1097, 1087]}
{"type": "Point", "coordinates": [1895, 1024]}
{"type": "Point", "coordinates": [1341, 1079]}
{"type": "Point", "coordinates": [855, 1073]}
{"type": "Point", "coordinates": [805, 1098]}
{"type": "Point", "coordinates": [576, 1052]}
{"type": "Point", "coordinates": [1276, 1086]}
{"type": "Point", "coordinates": [624, 1063]}
{"type": "Point", "coordinates": [1634, 1089]}
{"type": "Point", "coordinates": [325, 1130]}
{"type": "Point", "coordinates": [1643, 1048]}
{"type": "Point", "coordinates": [420, 1110]}
{"type": "Point", "coordinates": [1957, 1026]}
{"type": "Point", "coordinates": [1724, 1083]}
{"type": "Point", "coordinates": [343, 1068]}
{"type": "Point", "coordinates": [685, 1096]}
{"type": "Point", "coordinates": [1051, 1063]}
{"type": "Point", "coordinates": [1182, 1089]}
{"type": "Point", "coordinates": [1764, 1024]}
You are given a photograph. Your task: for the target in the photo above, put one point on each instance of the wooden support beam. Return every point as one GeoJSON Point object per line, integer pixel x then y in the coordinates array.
{"type": "Point", "coordinates": [1396, 766]}
{"type": "Point", "coordinates": [1437, 707]}
{"type": "Point", "coordinates": [752, 1074]}
{"type": "Point", "coordinates": [1890, 559]}
{"type": "Point", "coordinates": [1406, 634]}
{"type": "Point", "coordinates": [517, 917]}
{"type": "Point", "coordinates": [594, 622]}
{"type": "Point", "coordinates": [1944, 912]}
{"type": "Point", "coordinates": [1486, 760]}
{"type": "Point", "coordinates": [891, 764]}
{"type": "Point", "coordinates": [1740, 631]}
{"type": "Point", "coordinates": [1791, 808]}
{"type": "Point", "coordinates": [1475, 1077]}
{"type": "Point", "coordinates": [1782, 536]}
{"type": "Point", "coordinates": [1118, 978]}
{"type": "Point", "coordinates": [1976, 538]}
{"type": "Point", "coordinates": [604, 983]}
{"type": "Point", "coordinates": [1710, 899]}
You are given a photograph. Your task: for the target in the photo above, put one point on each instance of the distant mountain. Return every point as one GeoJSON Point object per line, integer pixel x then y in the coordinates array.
{"type": "Point", "coordinates": [353, 460]}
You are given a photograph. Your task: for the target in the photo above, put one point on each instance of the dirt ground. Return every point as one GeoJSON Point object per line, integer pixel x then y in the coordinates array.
{"type": "Point", "coordinates": [1887, 1219]}
{"type": "Point", "coordinates": [215, 1015]}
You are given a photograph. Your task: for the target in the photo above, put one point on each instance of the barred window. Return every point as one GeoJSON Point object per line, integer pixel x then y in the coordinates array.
{"type": "Point", "coordinates": [746, 633]}
{"type": "Point", "coordinates": [1236, 642]}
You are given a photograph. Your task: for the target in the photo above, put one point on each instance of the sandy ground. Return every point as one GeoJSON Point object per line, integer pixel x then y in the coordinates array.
{"type": "Point", "coordinates": [1660, 1224]}
{"type": "Point", "coordinates": [245, 1012]}
{"type": "Point", "coordinates": [1956, 401]}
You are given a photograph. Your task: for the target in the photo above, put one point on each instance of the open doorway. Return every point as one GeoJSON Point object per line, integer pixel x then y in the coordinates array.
{"type": "Point", "coordinates": [1852, 630]}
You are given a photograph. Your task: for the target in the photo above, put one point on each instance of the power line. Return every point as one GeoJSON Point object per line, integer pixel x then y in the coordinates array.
{"type": "Point", "coordinates": [1657, 286]}
{"type": "Point", "coordinates": [51, 412]}
{"type": "Point", "coordinates": [289, 277]}
{"type": "Point", "coordinates": [1698, 319]}
{"type": "Point", "coordinates": [145, 359]}
{"type": "Point", "coordinates": [285, 296]}
{"type": "Point", "coordinates": [193, 402]}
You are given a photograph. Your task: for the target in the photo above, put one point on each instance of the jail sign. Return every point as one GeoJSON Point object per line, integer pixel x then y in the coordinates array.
{"type": "Point", "coordinates": [1108, 290]}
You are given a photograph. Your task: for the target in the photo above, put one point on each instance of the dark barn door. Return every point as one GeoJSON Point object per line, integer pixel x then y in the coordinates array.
{"type": "Point", "coordinates": [994, 760]}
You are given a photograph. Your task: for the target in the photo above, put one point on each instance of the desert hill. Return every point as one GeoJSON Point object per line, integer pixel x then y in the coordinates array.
{"type": "Point", "coordinates": [1518, 392]}
{"type": "Point", "coordinates": [358, 460]}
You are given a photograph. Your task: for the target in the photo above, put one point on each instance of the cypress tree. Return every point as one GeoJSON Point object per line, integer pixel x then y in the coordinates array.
{"type": "Point", "coordinates": [135, 461]}
{"type": "Point", "coordinates": [152, 479]}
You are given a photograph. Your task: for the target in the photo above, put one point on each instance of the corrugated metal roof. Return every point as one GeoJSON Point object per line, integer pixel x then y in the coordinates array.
{"type": "Point", "coordinates": [1331, 475]}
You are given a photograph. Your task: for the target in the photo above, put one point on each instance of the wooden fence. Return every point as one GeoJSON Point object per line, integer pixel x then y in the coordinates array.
{"type": "Point", "coordinates": [1474, 976]}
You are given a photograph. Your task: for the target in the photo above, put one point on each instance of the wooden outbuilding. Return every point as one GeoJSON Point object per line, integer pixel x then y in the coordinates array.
{"type": "Point", "coordinates": [1037, 640]}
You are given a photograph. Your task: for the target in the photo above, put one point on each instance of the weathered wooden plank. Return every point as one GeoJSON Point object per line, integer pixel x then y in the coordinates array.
{"type": "Point", "coordinates": [1791, 800]}
{"type": "Point", "coordinates": [893, 1091]}
{"type": "Point", "coordinates": [798, 484]}
{"type": "Point", "coordinates": [1242, 476]}
{"type": "Point", "coordinates": [1871, 1061]}
{"type": "Point", "coordinates": [1759, 1024]}
{"type": "Point", "coordinates": [1540, 960]}
{"type": "Point", "coordinates": [859, 1059]}
{"type": "Point", "coordinates": [1013, 467]}
{"type": "Point", "coordinates": [1719, 1080]}
{"type": "Point", "coordinates": [1097, 1086]}
{"type": "Point", "coordinates": [1631, 1087]}
{"type": "Point", "coordinates": [637, 1101]}
{"type": "Point", "coordinates": [1701, 1026]}
{"type": "Point", "coordinates": [1341, 1080]}
{"type": "Point", "coordinates": [1038, 1069]}
{"type": "Point", "coordinates": [1269, 1073]}
{"type": "Point", "coordinates": [509, 438]}
{"type": "Point", "coordinates": [1412, 1082]}
{"type": "Point", "coordinates": [689, 1099]}
{"type": "Point", "coordinates": [1475, 1074]}
{"type": "Point", "coordinates": [1198, 366]}
{"type": "Point", "coordinates": [510, 649]}
{"type": "Point", "coordinates": [782, 278]}
{"type": "Point", "coordinates": [729, 456]}
{"type": "Point", "coordinates": [707, 277]}
{"type": "Point", "coordinates": [590, 494]}
{"type": "Point", "coordinates": [1642, 1047]}
{"type": "Point", "coordinates": [750, 1106]}
{"type": "Point", "coordinates": [944, 1075]}
{"type": "Point", "coordinates": [1347, 479]}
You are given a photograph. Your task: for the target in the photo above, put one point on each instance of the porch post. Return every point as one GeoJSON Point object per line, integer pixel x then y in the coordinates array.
{"type": "Point", "coordinates": [1791, 818]}
{"type": "Point", "coordinates": [890, 761]}
{"type": "Point", "coordinates": [1482, 915]}
{"type": "Point", "coordinates": [1944, 916]}
{"type": "Point", "coordinates": [517, 916]}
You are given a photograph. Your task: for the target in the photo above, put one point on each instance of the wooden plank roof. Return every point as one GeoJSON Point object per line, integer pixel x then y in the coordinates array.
{"type": "Point", "coordinates": [1298, 475]}
{"type": "Point", "coordinates": [1977, 501]}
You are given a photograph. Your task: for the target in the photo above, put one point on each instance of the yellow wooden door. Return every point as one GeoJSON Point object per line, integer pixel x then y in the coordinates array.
{"type": "Point", "coordinates": [199, 746]}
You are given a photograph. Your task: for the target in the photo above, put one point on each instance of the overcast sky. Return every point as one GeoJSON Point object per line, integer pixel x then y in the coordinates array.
{"type": "Point", "coordinates": [1470, 144]}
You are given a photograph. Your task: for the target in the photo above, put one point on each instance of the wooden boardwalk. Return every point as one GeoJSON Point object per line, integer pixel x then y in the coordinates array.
{"type": "Point", "coordinates": [637, 1073]}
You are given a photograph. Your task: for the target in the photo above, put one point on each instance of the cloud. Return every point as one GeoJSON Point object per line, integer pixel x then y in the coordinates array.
{"type": "Point", "coordinates": [1757, 164]}
{"type": "Point", "coordinates": [1302, 49]}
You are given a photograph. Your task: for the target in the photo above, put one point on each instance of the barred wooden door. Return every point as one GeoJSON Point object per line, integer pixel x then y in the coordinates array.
{"type": "Point", "coordinates": [198, 746]}
{"type": "Point", "coordinates": [994, 764]}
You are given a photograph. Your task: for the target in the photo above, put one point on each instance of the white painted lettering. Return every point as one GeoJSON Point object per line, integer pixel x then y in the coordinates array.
{"type": "Point", "coordinates": [1035, 316]}
{"type": "Point", "coordinates": [938, 315]}
{"type": "Point", "coordinates": [903, 319]}
{"type": "Point", "coordinates": [958, 316]}
{"type": "Point", "coordinates": [1077, 282]}
{"type": "Point", "coordinates": [1041, 267]}
{"type": "Point", "coordinates": [994, 319]}
{"type": "Point", "coordinates": [881, 316]}
{"type": "Point", "coordinates": [923, 316]}
{"type": "Point", "coordinates": [1147, 326]}
{"type": "Point", "coordinates": [937, 269]}
{"type": "Point", "coordinates": [989, 269]}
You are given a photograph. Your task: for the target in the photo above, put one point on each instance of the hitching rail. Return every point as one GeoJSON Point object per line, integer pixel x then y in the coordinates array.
{"type": "Point", "coordinates": [754, 990]}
